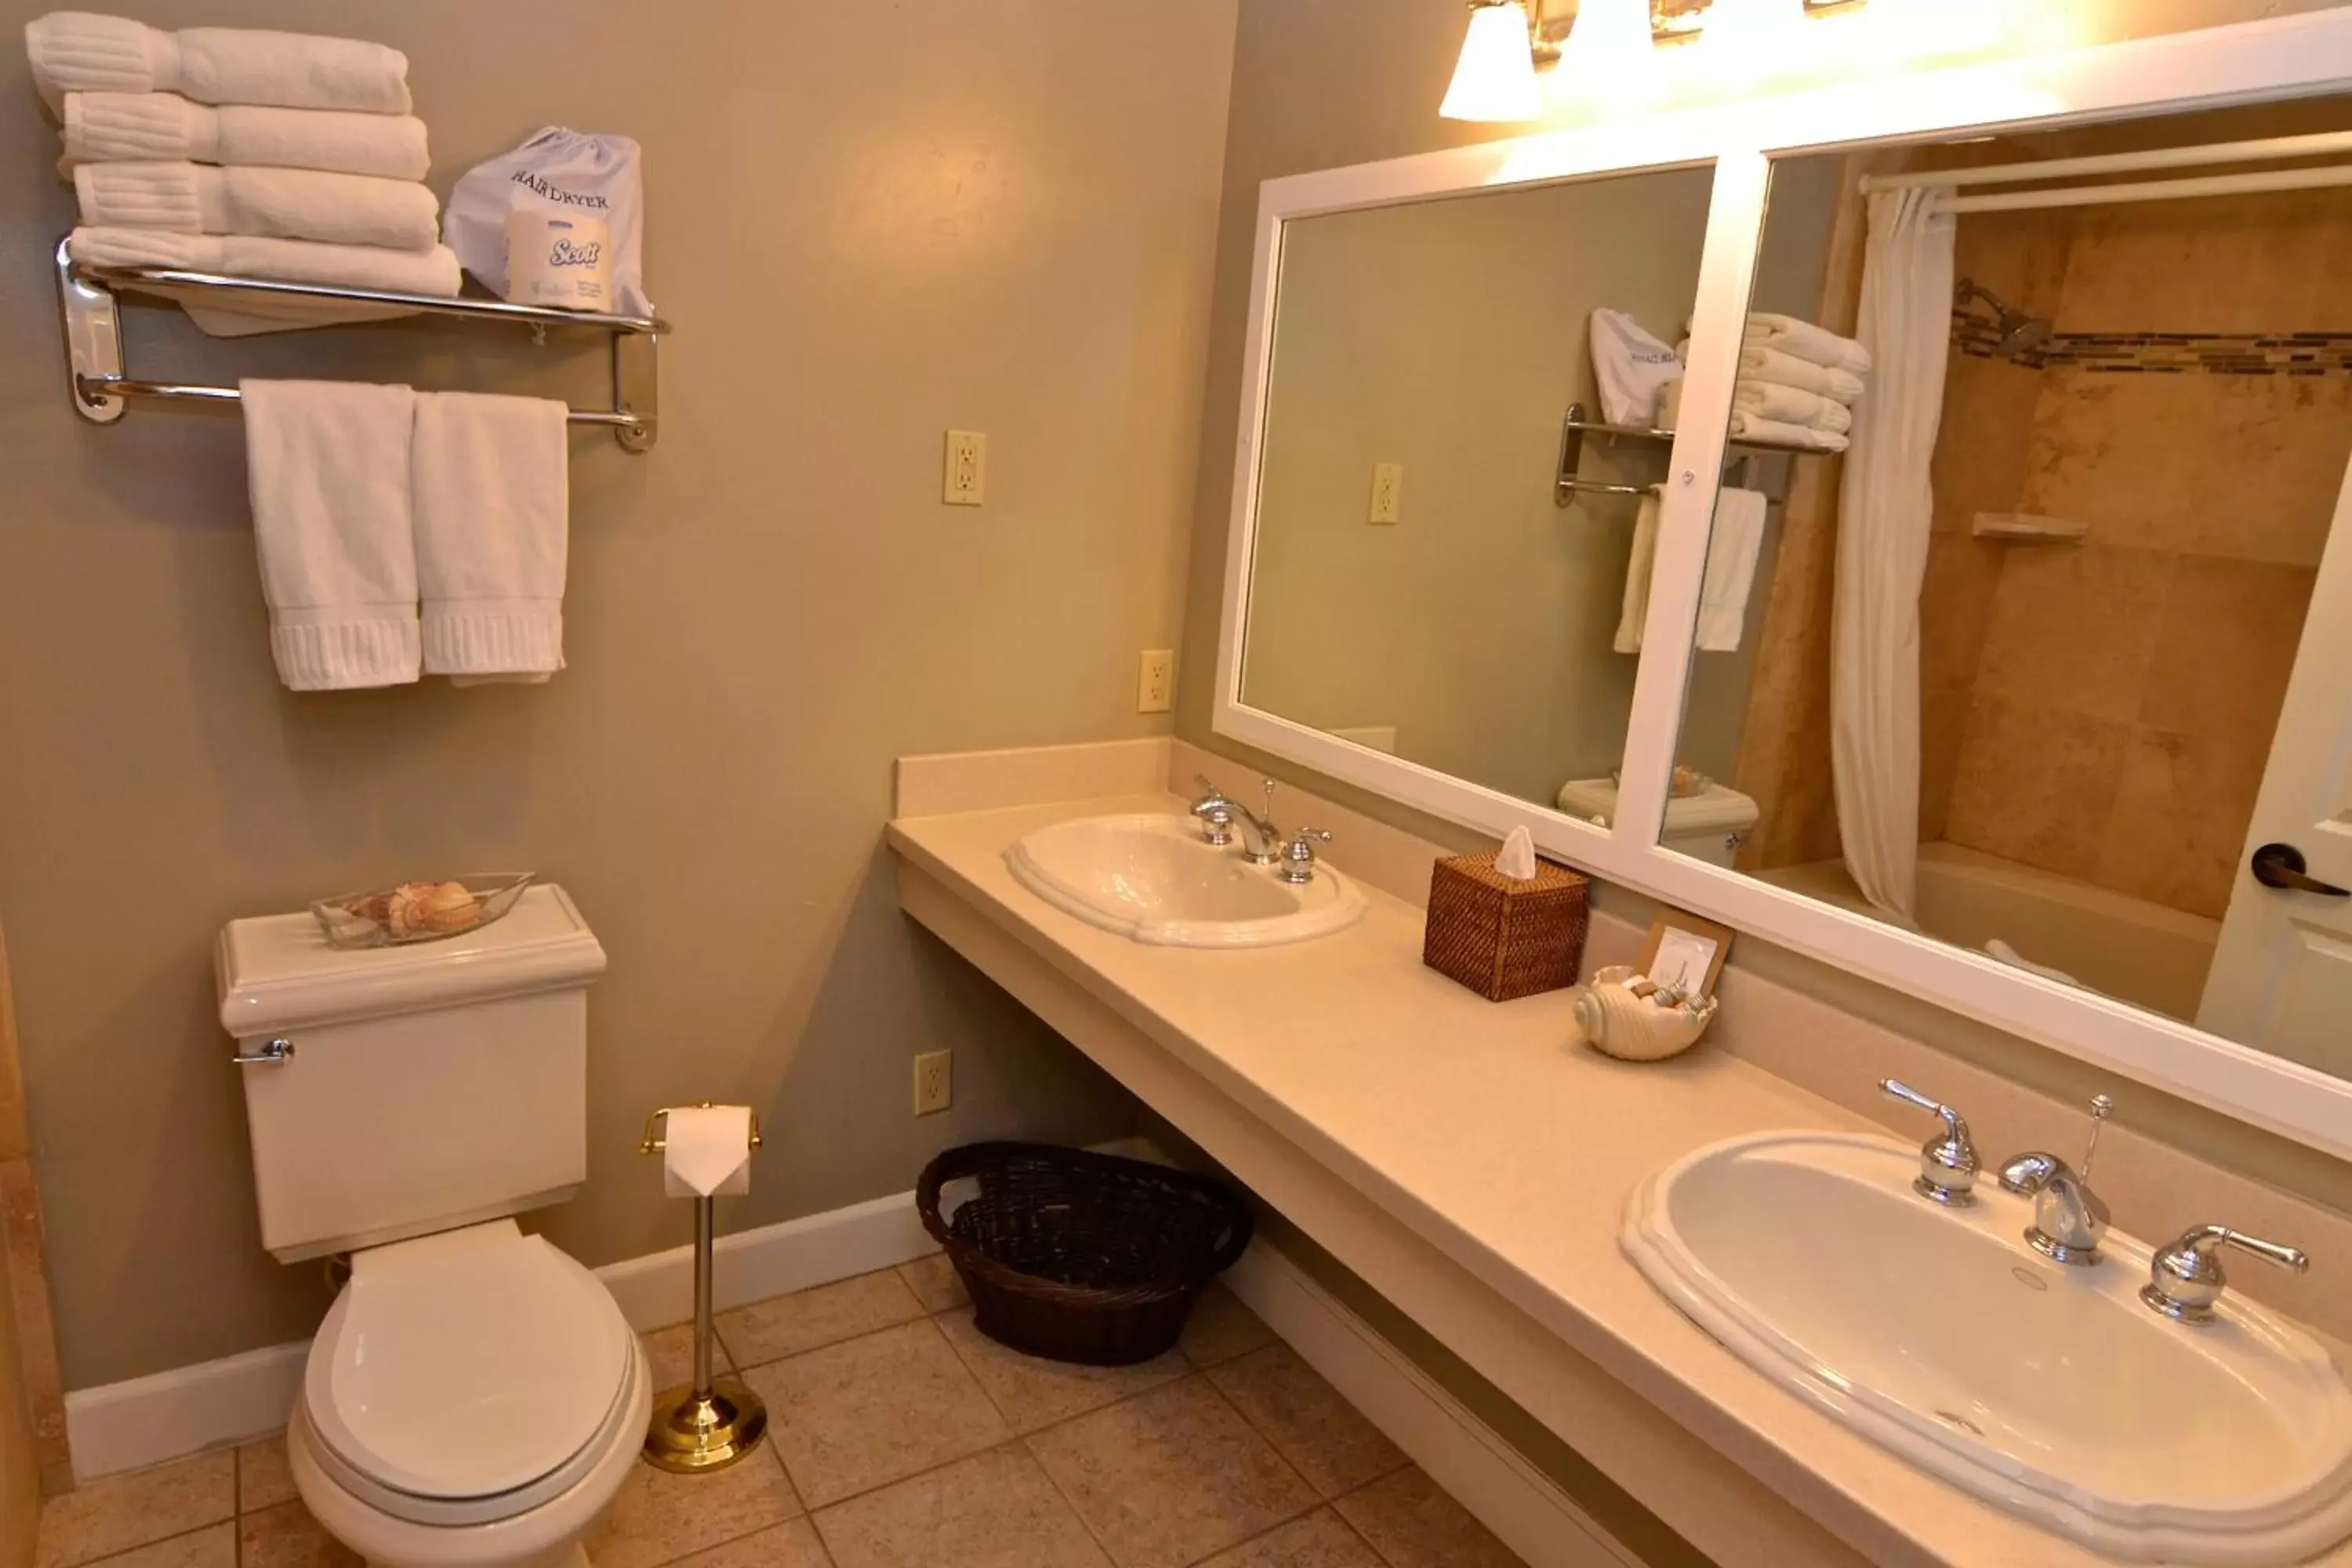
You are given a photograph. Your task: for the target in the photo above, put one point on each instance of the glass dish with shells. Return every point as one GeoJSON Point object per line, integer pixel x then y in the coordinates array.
{"type": "Point", "coordinates": [419, 911]}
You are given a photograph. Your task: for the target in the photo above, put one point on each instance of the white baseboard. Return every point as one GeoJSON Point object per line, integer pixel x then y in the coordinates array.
{"type": "Point", "coordinates": [147, 1420]}
{"type": "Point", "coordinates": [1509, 1496]}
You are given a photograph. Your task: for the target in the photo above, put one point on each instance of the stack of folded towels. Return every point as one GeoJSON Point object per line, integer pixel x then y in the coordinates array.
{"type": "Point", "coordinates": [1798, 384]}
{"type": "Point", "coordinates": [279, 157]}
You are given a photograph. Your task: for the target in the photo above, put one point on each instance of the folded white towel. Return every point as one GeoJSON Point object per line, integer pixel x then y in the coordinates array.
{"type": "Point", "coordinates": [1731, 554]}
{"type": "Point", "coordinates": [492, 489]}
{"type": "Point", "coordinates": [431, 271]}
{"type": "Point", "coordinates": [81, 51]}
{"type": "Point", "coordinates": [1638, 567]}
{"type": "Point", "coordinates": [1752, 427]}
{"type": "Point", "coordinates": [328, 466]}
{"type": "Point", "coordinates": [117, 127]}
{"type": "Point", "coordinates": [1787, 370]}
{"type": "Point", "coordinates": [281, 203]}
{"type": "Point", "coordinates": [1790, 404]}
{"type": "Point", "coordinates": [1805, 341]}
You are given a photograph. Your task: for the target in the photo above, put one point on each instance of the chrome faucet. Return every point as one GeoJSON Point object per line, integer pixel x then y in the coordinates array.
{"type": "Point", "coordinates": [2069, 1218]}
{"type": "Point", "coordinates": [1219, 813]}
{"type": "Point", "coordinates": [2185, 1278]}
{"type": "Point", "coordinates": [1948, 1165]}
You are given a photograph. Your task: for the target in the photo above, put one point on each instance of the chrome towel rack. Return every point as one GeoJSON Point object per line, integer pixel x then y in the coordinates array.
{"type": "Point", "coordinates": [1576, 424]}
{"type": "Point", "coordinates": [99, 386]}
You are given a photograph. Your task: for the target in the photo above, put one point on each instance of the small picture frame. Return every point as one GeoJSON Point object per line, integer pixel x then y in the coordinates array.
{"type": "Point", "coordinates": [1685, 952]}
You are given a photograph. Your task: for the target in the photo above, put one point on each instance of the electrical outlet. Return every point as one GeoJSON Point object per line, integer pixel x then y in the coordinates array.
{"type": "Point", "coordinates": [934, 1081]}
{"type": "Point", "coordinates": [1155, 681]}
{"type": "Point", "coordinates": [1388, 492]}
{"type": "Point", "coordinates": [965, 482]}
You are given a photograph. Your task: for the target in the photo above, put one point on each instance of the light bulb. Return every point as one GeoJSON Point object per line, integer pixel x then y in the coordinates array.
{"type": "Point", "coordinates": [1495, 77]}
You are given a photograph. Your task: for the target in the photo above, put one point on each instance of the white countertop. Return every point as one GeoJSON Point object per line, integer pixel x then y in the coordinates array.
{"type": "Point", "coordinates": [1499, 1139]}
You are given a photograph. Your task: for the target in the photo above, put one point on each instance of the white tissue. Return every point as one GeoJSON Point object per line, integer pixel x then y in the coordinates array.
{"type": "Point", "coordinates": [708, 1152]}
{"type": "Point", "coordinates": [1516, 858]}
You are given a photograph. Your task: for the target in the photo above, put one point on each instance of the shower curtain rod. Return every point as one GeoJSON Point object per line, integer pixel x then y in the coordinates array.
{"type": "Point", "coordinates": [2317, 145]}
{"type": "Point", "coordinates": [2151, 190]}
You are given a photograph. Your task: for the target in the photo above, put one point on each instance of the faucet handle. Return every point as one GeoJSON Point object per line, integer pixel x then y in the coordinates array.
{"type": "Point", "coordinates": [1948, 1164]}
{"type": "Point", "coordinates": [1298, 855]}
{"type": "Point", "coordinates": [2185, 1278]}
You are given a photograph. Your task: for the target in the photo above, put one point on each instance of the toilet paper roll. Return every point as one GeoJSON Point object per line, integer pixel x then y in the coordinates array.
{"type": "Point", "coordinates": [708, 1151]}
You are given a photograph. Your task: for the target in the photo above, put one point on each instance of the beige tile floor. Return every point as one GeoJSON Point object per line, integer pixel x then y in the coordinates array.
{"type": "Point", "coordinates": [903, 1438]}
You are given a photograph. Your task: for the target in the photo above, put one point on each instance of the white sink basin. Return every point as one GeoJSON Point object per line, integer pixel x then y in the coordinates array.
{"type": "Point", "coordinates": [1150, 876]}
{"type": "Point", "coordinates": [2048, 1391]}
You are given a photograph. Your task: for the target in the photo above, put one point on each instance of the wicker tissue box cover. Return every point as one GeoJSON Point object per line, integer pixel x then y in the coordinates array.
{"type": "Point", "coordinates": [1500, 938]}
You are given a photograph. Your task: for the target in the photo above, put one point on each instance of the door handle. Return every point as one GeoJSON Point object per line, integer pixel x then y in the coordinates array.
{"type": "Point", "coordinates": [2283, 866]}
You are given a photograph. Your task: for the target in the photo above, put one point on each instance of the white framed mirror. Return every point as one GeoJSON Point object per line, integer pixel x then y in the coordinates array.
{"type": "Point", "coordinates": [2031, 787]}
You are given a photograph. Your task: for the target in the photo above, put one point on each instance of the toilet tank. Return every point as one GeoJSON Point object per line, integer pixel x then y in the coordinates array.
{"type": "Point", "coordinates": [427, 1086]}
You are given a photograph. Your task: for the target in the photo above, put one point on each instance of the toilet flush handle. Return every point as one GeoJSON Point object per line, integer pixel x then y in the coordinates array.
{"type": "Point", "coordinates": [276, 1049]}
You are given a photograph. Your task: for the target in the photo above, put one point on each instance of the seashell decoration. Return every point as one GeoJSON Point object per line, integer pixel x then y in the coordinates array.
{"type": "Point", "coordinates": [415, 906]}
{"type": "Point", "coordinates": [1618, 1022]}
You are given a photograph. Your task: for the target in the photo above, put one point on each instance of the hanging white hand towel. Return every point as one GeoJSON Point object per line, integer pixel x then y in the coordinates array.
{"type": "Point", "coordinates": [81, 51]}
{"type": "Point", "coordinates": [1790, 404]}
{"type": "Point", "coordinates": [431, 271]}
{"type": "Point", "coordinates": [126, 127]}
{"type": "Point", "coordinates": [1803, 340]}
{"type": "Point", "coordinates": [1638, 567]}
{"type": "Point", "coordinates": [493, 482]}
{"type": "Point", "coordinates": [1731, 554]}
{"type": "Point", "coordinates": [274, 204]}
{"type": "Point", "coordinates": [1787, 370]}
{"type": "Point", "coordinates": [328, 466]}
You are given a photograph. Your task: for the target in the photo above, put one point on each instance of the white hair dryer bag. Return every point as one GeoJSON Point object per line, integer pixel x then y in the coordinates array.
{"type": "Point", "coordinates": [556, 171]}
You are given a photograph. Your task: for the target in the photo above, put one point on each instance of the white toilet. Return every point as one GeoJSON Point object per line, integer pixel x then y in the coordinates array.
{"type": "Point", "coordinates": [1709, 825]}
{"type": "Point", "coordinates": [475, 1398]}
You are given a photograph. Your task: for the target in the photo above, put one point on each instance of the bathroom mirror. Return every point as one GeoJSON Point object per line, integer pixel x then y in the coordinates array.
{"type": "Point", "coordinates": [2043, 663]}
{"type": "Point", "coordinates": [1426, 582]}
{"type": "Point", "coordinates": [2128, 673]}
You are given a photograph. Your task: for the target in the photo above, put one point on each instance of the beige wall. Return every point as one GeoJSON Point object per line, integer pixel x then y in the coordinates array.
{"type": "Point", "coordinates": [869, 224]}
{"type": "Point", "coordinates": [1321, 83]}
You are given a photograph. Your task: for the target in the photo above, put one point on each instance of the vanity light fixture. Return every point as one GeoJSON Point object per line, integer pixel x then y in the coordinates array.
{"type": "Point", "coordinates": [1509, 41]}
{"type": "Point", "coordinates": [1495, 79]}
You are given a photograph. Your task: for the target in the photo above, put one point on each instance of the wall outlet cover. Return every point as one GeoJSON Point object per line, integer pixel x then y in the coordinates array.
{"type": "Point", "coordinates": [965, 480]}
{"type": "Point", "coordinates": [934, 1082]}
{"type": "Point", "coordinates": [1155, 680]}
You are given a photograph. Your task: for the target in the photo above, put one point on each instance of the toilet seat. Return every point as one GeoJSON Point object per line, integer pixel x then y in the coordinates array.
{"type": "Point", "coordinates": [467, 1378]}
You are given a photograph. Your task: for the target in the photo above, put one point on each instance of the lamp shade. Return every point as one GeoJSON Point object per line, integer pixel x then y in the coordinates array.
{"type": "Point", "coordinates": [1608, 53]}
{"type": "Point", "coordinates": [1495, 77]}
{"type": "Point", "coordinates": [1739, 26]}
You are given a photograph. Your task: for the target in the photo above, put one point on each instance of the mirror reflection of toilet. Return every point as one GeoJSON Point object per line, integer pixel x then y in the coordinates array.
{"type": "Point", "coordinates": [474, 1396]}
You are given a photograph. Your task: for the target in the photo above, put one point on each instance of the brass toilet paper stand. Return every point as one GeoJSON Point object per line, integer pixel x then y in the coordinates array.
{"type": "Point", "coordinates": [710, 1423]}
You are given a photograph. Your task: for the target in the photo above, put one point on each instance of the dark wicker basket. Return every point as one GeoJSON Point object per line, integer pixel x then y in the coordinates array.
{"type": "Point", "coordinates": [1080, 1257]}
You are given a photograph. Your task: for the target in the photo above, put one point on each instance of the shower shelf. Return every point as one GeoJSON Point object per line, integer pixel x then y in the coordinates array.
{"type": "Point", "coordinates": [93, 327]}
{"type": "Point", "coordinates": [1574, 428]}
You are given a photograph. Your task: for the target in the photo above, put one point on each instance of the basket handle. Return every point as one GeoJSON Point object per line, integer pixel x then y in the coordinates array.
{"type": "Point", "coordinates": [1236, 1242]}
{"type": "Point", "coordinates": [936, 1174]}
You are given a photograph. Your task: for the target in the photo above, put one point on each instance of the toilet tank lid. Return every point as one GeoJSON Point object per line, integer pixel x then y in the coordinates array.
{"type": "Point", "coordinates": [1717, 808]}
{"type": "Point", "coordinates": [278, 972]}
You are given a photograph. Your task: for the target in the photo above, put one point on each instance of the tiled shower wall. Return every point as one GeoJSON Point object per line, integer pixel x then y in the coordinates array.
{"type": "Point", "coordinates": [2105, 710]}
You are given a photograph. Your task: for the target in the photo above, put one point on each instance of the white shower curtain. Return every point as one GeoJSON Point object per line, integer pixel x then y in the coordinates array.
{"type": "Point", "coordinates": [1885, 508]}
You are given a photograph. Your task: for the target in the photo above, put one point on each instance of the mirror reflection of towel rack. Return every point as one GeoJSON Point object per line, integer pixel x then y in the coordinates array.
{"type": "Point", "coordinates": [1574, 427]}
{"type": "Point", "coordinates": [93, 327]}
